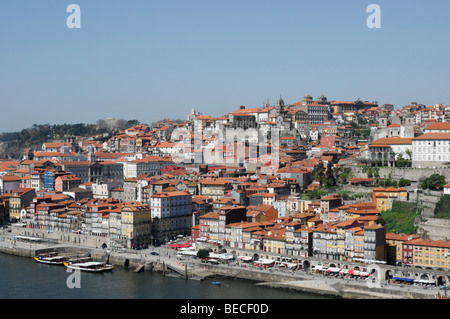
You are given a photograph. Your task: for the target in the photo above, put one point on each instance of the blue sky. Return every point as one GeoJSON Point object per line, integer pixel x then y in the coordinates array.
{"type": "Point", "coordinates": [145, 59]}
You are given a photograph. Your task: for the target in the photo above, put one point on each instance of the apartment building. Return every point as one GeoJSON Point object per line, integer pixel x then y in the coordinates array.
{"type": "Point", "coordinates": [426, 253]}
{"type": "Point", "coordinates": [171, 213]}
{"type": "Point", "coordinates": [136, 224]}
{"type": "Point", "coordinates": [394, 247]}
{"type": "Point", "coordinates": [19, 200]}
{"type": "Point", "coordinates": [431, 150]}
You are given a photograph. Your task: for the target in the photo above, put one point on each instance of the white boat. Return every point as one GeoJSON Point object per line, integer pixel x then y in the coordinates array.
{"type": "Point", "coordinates": [92, 266]}
{"type": "Point", "coordinates": [50, 258]}
{"type": "Point", "coordinates": [73, 261]}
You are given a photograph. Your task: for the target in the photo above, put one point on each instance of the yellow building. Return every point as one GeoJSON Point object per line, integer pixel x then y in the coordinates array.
{"type": "Point", "coordinates": [427, 253]}
{"type": "Point", "coordinates": [359, 244]}
{"type": "Point", "coordinates": [214, 188]}
{"type": "Point", "coordinates": [384, 197]}
{"type": "Point", "coordinates": [274, 242]}
{"type": "Point", "coordinates": [209, 226]}
{"type": "Point", "coordinates": [341, 231]}
{"type": "Point", "coordinates": [394, 245]}
{"type": "Point", "coordinates": [358, 210]}
{"type": "Point", "coordinates": [136, 224]}
{"type": "Point", "coordinates": [18, 200]}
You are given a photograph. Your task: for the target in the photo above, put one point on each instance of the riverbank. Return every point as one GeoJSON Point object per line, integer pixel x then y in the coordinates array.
{"type": "Point", "coordinates": [164, 261]}
{"type": "Point", "coordinates": [325, 285]}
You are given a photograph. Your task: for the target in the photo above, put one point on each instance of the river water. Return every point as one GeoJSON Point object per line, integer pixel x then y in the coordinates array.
{"type": "Point", "coordinates": [24, 278]}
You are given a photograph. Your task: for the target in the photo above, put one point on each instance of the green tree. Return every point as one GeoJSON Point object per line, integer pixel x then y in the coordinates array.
{"type": "Point", "coordinates": [203, 253]}
{"type": "Point", "coordinates": [442, 208]}
{"type": "Point", "coordinates": [434, 182]}
{"type": "Point", "coordinates": [404, 182]}
{"type": "Point", "coordinates": [330, 180]}
{"type": "Point", "coordinates": [319, 175]}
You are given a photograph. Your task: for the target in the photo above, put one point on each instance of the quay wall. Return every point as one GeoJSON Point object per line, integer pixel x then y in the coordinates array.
{"type": "Point", "coordinates": [277, 281]}
{"type": "Point", "coordinates": [336, 289]}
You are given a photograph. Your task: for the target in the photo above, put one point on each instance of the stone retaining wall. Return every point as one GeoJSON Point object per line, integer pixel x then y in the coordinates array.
{"type": "Point", "coordinates": [397, 173]}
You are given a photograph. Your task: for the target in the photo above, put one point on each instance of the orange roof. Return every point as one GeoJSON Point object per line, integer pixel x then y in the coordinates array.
{"type": "Point", "coordinates": [439, 126]}
{"type": "Point", "coordinates": [210, 216]}
{"type": "Point", "coordinates": [433, 136]}
{"type": "Point", "coordinates": [391, 141]}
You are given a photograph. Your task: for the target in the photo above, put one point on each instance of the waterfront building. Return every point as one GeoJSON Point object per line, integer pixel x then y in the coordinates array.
{"type": "Point", "coordinates": [303, 238]}
{"type": "Point", "coordinates": [3, 215]}
{"type": "Point", "coordinates": [171, 214]}
{"type": "Point", "coordinates": [209, 226]}
{"type": "Point", "coordinates": [426, 253]}
{"type": "Point", "coordinates": [136, 223]}
{"type": "Point", "coordinates": [375, 243]}
{"type": "Point", "coordinates": [325, 242]}
{"type": "Point", "coordinates": [352, 243]}
{"type": "Point", "coordinates": [394, 247]}
{"type": "Point", "coordinates": [240, 234]}
{"type": "Point", "coordinates": [19, 200]}
{"type": "Point", "coordinates": [290, 236]}
{"type": "Point", "coordinates": [228, 215]}
{"type": "Point", "coordinates": [45, 218]}
{"type": "Point", "coordinates": [275, 241]}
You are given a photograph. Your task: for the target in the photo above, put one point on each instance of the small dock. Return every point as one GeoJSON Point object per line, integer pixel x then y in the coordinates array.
{"type": "Point", "coordinates": [140, 268]}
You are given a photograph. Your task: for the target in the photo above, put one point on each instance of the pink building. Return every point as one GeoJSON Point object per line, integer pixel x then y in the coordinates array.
{"type": "Point", "coordinates": [65, 182]}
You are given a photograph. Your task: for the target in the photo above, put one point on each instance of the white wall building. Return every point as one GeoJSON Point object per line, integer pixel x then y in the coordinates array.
{"type": "Point", "coordinates": [149, 164]}
{"type": "Point", "coordinates": [431, 150]}
{"type": "Point", "coordinates": [171, 214]}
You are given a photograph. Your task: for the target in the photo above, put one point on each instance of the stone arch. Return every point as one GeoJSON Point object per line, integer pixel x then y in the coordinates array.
{"type": "Point", "coordinates": [441, 280]}
{"type": "Point", "coordinates": [425, 277]}
{"type": "Point", "coordinates": [306, 264]}
{"type": "Point", "coordinates": [389, 274]}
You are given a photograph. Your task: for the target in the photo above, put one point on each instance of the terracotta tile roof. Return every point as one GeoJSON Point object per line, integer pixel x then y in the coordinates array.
{"type": "Point", "coordinates": [392, 141]}
{"type": "Point", "coordinates": [433, 136]}
{"type": "Point", "coordinates": [439, 126]}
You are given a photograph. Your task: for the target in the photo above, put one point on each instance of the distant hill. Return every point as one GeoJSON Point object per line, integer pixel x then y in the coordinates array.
{"type": "Point", "coordinates": [14, 143]}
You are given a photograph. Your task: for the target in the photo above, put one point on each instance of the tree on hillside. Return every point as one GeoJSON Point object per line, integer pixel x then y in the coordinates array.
{"type": "Point", "coordinates": [434, 182]}
{"type": "Point", "coordinates": [330, 180]}
{"type": "Point", "coordinates": [319, 175]}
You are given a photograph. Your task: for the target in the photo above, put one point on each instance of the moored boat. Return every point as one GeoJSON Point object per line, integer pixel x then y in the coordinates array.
{"type": "Point", "coordinates": [217, 283]}
{"type": "Point", "coordinates": [79, 260]}
{"type": "Point", "coordinates": [50, 258]}
{"type": "Point", "coordinates": [92, 266]}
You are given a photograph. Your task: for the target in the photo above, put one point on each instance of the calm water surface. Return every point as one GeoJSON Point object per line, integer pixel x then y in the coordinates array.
{"type": "Point", "coordinates": [24, 278]}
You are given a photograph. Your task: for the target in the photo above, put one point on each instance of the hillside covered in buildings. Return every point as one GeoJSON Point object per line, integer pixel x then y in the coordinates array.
{"type": "Point", "coordinates": [330, 179]}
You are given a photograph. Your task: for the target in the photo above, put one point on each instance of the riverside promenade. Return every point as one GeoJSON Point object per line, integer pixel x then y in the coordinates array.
{"type": "Point", "coordinates": [162, 259]}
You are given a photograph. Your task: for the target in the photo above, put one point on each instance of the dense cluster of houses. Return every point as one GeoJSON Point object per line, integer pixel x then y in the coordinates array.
{"type": "Point", "coordinates": [133, 188]}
